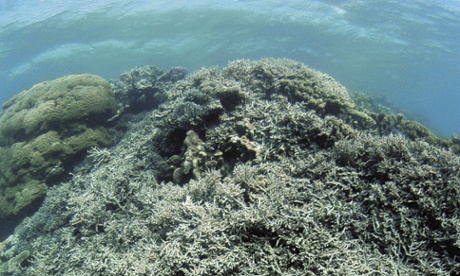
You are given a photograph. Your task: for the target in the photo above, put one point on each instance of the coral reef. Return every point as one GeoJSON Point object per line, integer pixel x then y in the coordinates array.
{"type": "Point", "coordinates": [262, 168]}
{"type": "Point", "coordinates": [144, 88]}
{"type": "Point", "coordinates": [390, 120]}
{"type": "Point", "coordinates": [44, 130]}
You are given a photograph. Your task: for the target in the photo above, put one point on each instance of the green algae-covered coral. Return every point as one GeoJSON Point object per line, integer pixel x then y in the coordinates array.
{"type": "Point", "coordinates": [55, 105]}
{"type": "Point", "coordinates": [233, 176]}
{"type": "Point", "coordinates": [44, 129]}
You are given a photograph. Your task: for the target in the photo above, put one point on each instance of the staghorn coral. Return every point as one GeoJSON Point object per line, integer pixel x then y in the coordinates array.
{"type": "Point", "coordinates": [299, 189]}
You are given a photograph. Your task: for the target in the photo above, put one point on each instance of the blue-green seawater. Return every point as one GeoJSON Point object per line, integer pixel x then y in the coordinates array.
{"type": "Point", "coordinates": [407, 51]}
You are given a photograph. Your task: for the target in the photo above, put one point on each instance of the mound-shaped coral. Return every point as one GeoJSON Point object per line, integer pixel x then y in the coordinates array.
{"type": "Point", "coordinates": [237, 175]}
{"type": "Point", "coordinates": [45, 129]}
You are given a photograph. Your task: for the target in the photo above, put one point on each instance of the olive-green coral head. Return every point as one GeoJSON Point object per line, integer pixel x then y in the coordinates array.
{"type": "Point", "coordinates": [52, 105]}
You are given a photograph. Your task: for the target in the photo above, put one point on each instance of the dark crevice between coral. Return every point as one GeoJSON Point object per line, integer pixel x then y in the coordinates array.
{"type": "Point", "coordinates": [8, 224]}
{"type": "Point", "coordinates": [256, 232]}
{"type": "Point", "coordinates": [209, 120]}
{"type": "Point", "coordinates": [173, 143]}
{"type": "Point", "coordinates": [230, 97]}
{"type": "Point", "coordinates": [145, 99]}
{"type": "Point", "coordinates": [334, 108]}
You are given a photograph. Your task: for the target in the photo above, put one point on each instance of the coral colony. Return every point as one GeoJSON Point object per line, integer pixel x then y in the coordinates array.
{"type": "Point", "coordinates": [260, 168]}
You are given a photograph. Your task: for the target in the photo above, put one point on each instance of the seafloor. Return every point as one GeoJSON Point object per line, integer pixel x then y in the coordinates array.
{"type": "Point", "coordinates": [261, 168]}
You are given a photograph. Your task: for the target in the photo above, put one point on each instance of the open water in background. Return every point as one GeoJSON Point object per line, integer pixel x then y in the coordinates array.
{"type": "Point", "coordinates": [408, 51]}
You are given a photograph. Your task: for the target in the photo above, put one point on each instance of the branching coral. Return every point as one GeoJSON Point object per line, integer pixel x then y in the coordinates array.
{"type": "Point", "coordinates": [262, 168]}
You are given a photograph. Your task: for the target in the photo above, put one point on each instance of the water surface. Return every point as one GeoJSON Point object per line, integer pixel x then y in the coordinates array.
{"type": "Point", "coordinates": [406, 51]}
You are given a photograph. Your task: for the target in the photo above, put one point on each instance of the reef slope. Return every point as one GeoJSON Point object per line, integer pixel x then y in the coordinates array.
{"type": "Point", "coordinates": [262, 168]}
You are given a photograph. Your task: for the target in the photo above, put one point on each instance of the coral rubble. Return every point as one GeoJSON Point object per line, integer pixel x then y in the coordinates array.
{"type": "Point", "coordinates": [262, 168]}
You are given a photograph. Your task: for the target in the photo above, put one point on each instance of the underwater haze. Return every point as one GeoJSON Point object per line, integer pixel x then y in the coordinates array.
{"type": "Point", "coordinates": [406, 51]}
